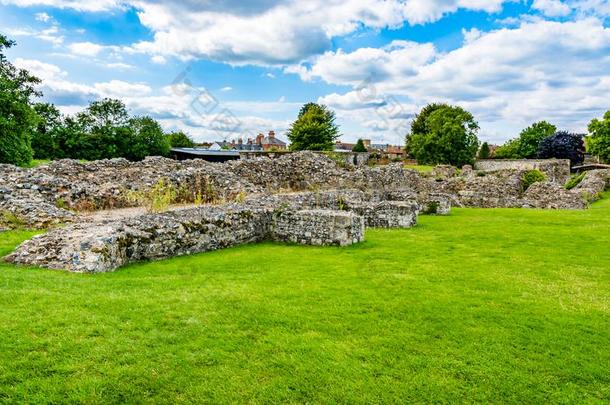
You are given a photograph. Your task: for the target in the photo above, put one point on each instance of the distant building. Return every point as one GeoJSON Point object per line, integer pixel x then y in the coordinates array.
{"type": "Point", "coordinates": [385, 150]}
{"type": "Point", "coordinates": [260, 143]}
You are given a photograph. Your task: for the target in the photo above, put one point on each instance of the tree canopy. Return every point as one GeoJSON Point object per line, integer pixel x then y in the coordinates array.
{"type": "Point", "coordinates": [359, 146]}
{"type": "Point", "coordinates": [599, 141]}
{"type": "Point", "coordinates": [449, 136]}
{"type": "Point", "coordinates": [563, 145]}
{"type": "Point", "coordinates": [17, 117]}
{"type": "Point", "coordinates": [180, 140]}
{"type": "Point", "coordinates": [314, 129]}
{"type": "Point", "coordinates": [526, 145]}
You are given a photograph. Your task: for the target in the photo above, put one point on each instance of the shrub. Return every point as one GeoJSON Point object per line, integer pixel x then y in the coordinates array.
{"type": "Point", "coordinates": [431, 208]}
{"type": "Point", "coordinates": [575, 180]}
{"type": "Point", "coordinates": [484, 152]}
{"type": "Point", "coordinates": [156, 199]}
{"type": "Point", "coordinates": [531, 177]}
{"type": "Point", "coordinates": [359, 147]}
{"type": "Point", "coordinates": [12, 220]}
{"type": "Point", "coordinates": [563, 145]}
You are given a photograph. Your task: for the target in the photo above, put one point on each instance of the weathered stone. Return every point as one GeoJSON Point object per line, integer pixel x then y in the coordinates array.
{"type": "Point", "coordinates": [318, 227]}
{"type": "Point", "coordinates": [557, 170]}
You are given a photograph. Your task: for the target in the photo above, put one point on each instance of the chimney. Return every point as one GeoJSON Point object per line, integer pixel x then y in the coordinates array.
{"type": "Point", "coordinates": [240, 141]}
{"type": "Point", "coordinates": [250, 141]}
{"type": "Point", "coordinates": [259, 139]}
{"type": "Point", "coordinates": [271, 134]}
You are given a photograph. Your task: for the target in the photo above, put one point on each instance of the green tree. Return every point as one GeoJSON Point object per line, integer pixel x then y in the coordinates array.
{"type": "Point", "coordinates": [599, 141]}
{"type": "Point", "coordinates": [48, 122]}
{"type": "Point", "coordinates": [526, 145]}
{"type": "Point", "coordinates": [530, 138]}
{"type": "Point", "coordinates": [148, 139]}
{"type": "Point", "coordinates": [180, 140]}
{"type": "Point", "coordinates": [418, 126]}
{"type": "Point", "coordinates": [359, 147]}
{"type": "Point", "coordinates": [484, 152]}
{"type": "Point", "coordinates": [450, 137]}
{"type": "Point", "coordinates": [71, 140]}
{"type": "Point", "coordinates": [106, 125]}
{"type": "Point", "coordinates": [510, 150]}
{"type": "Point", "coordinates": [17, 117]}
{"type": "Point", "coordinates": [314, 129]}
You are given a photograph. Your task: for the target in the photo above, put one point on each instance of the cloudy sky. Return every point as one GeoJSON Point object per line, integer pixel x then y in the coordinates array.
{"type": "Point", "coordinates": [217, 69]}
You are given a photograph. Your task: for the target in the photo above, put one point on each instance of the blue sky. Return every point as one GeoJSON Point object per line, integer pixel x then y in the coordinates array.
{"type": "Point", "coordinates": [232, 69]}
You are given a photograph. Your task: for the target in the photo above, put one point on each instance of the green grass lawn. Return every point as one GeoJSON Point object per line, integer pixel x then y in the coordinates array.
{"type": "Point", "coordinates": [499, 305]}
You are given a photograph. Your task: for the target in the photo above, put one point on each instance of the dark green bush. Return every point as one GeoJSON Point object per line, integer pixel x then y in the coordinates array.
{"type": "Point", "coordinates": [531, 177]}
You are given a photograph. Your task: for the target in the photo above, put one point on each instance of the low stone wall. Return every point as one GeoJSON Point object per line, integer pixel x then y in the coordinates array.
{"type": "Point", "coordinates": [329, 218]}
{"type": "Point", "coordinates": [557, 170]}
{"type": "Point", "coordinates": [318, 227]}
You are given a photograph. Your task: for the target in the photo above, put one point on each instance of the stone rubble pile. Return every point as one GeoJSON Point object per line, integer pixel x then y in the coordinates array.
{"type": "Point", "coordinates": [329, 218]}
{"type": "Point", "coordinates": [301, 198]}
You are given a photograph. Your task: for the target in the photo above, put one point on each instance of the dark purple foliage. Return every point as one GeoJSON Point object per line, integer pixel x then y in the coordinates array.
{"type": "Point", "coordinates": [563, 145]}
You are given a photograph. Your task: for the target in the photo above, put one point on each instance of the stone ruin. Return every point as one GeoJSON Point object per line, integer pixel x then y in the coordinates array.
{"type": "Point", "coordinates": [302, 198]}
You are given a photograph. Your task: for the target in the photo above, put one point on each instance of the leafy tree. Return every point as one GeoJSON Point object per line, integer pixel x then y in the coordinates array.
{"type": "Point", "coordinates": [71, 140]}
{"type": "Point", "coordinates": [48, 123]}
{"type": "Point", "coordinates": [599, 141]}
{"type": "Point", "coordinates": [17, 117]}
{"type": "Point", "coordinates": [510, 150]}
{"type": "Point", "coordinates": [359, 147]}
{"type": "Point", "coordinates": [484, 152]}
{"type": "Point", "coordinates": [526, 145]}
{"type": "Point", "coordinates": [148, 139]}
{"type": "Point", "coordinates": [418, 126]}
{"type": "Point", "coordinates": [530, 138]}
{"type": "Point", "coordinates": [106, 125]}
{"type": "Point", "coordinates": [180, 140]}
{"type": "Point", "coordinates": [450, 136]}
{"type": "Point", "coordinates": [563, 145]}
{"type": "Point", "coordinates": [314, 129]}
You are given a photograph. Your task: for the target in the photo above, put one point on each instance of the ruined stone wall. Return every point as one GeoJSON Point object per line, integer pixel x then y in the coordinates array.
{"type": "Point", "coordinates": [317, 227]}
{"type": "Point", "coordinates": [557, 170]}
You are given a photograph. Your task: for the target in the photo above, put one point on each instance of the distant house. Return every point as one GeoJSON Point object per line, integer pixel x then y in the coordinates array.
{"type": "Point", "coordinates": [344, 146]}
{"type": "Point", "coordinates": [270, 142]}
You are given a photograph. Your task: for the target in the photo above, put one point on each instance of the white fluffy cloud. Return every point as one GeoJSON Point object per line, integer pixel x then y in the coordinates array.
{"type": "Point", "coordinates": [264, 32]}
{"type": "Point", "coordinates": [179, 107]}
{"type": "Point", "coordinates": [552, 8]}
{"type": "Point", "coordinates": [539, 70]}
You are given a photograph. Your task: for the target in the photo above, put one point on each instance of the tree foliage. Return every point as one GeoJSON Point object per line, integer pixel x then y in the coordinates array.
{"type": "Point", "coordinates": [359, 147]}
{"type": "Point", "coordinates": [526, 145]}
{"type": "Point", "coordinates": [180, 140]}
{"type": "Point", "coordinates": [449, 137]}
{"type": "Point", "coordinates": [314, 129]}
{"type": "Point", "coordinates": [484, 152]}
{"type": "Point", "coordinates": [599, 141]}
{"type": "Point", "coordinates": [147, 139]}
{"type": "Point", "coordinates": [17, 117]}
{"type": "Point", "coordinates": [563, 145]}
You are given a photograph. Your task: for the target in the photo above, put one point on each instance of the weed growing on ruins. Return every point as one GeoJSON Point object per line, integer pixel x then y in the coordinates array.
{"type": "Point", "coordinates": [530, 177]}
{"type": "Point", "coordinates": [61, 203]}
{"type": "Point", "coordinates": [457, 309]}
{"type": "Point", "coordinates": [575, 180]}
{"type": "Point", "coordinates": [11, 220]}
{"type": "Point", "coordinates": [240, 197]}
{"type": "Point", "coordinates": [431, 208]}
{"type": "Point", "coordinates": [158, 198]}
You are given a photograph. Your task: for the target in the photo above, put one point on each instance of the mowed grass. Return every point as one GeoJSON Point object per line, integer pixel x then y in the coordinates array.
{"type": "Point", "coordinates": [494, 305]}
